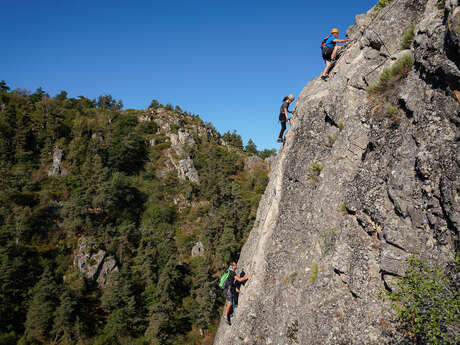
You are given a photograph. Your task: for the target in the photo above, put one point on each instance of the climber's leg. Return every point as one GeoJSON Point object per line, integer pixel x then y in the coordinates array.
{"type": "Point", "coordinates": [334, 52]}
{"type": "Point", "coordinates": [227, 311]}
{"type": "Point", "coordinates": [327, 68]}
{"type": "Point", "coordinates": [283, 128]}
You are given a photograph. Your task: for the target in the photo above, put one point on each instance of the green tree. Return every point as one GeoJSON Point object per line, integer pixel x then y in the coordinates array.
{"type": "Point", "coordinates": [251, 147]}
{"type": "Point", "coordinates": [124, 319]}
{"type": "Point", "coordinates": [166, 315]}
{"type": "Point", "coordinates": [3, 86]}
{"type": "Point", "coordinates": [154, 104]}
{"type": "Point", "coordinates": [65, 319]}
{"type": "Point", "coordinates": [267, 153]}
{"type": "Point", "coordinates": [203, 292]}
{"type": "Point", "coordinates": [62, 96]}
{"type": "Point", "coordinates": [41, 310]}
{"type": "Point", "coordinates": [108, 102]}
{"type": "Point", "coordinates": [428, 302]}
{"type": "Point", "coordinates": [233, 139]}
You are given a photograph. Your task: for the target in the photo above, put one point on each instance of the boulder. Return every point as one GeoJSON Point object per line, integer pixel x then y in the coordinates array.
{"type": "Point", "coordinates": [198, 249]}
{"type": "Point", "coordinates": [93, 263]}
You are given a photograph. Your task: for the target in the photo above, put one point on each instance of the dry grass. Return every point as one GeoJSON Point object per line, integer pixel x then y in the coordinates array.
{"type": "Point", "coordinates": [313, 272]}
{"type": "Point", "coordinates": [383, 93]}
{"type": "Point", "coordinates": [407, 38]}
{"type": "Point", "coordinates": [389, 75]}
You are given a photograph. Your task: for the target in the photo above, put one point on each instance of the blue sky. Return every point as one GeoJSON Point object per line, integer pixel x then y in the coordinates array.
{"type": "Point", "coordinates": [231, 62]}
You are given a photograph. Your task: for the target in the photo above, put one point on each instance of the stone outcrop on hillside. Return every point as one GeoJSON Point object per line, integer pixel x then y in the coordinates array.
{"type": "Point", "coordinates": [355, 191]}
{"type": "Point", "coordinates": [94, 264]}
{"type": "Point", "coordinates": [55, 168]}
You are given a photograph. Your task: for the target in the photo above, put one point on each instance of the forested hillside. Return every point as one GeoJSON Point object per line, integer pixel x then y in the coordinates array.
{"type": "Point", "coordinates": [100, 212]}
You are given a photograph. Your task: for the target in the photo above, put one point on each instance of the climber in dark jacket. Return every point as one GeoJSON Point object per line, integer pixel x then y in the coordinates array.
{"type": "Point", "coordinates": [230, 291]}
{"type": "Point", "coordinates": [284, 110]}
{"type": "Point", "coordinates": [329, 51]}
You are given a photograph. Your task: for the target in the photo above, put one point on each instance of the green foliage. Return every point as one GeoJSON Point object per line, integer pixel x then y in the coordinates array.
{"type": "Point", "coordinates": [328, 241]}
{"type": "Point", "coordinates": [116, 190]}
{"type": "Point", "coordinates": [390, 110]}
{"type": "Point", "coordinates": [233, 139]}
{"type": "Point", "coordinates": [267, 153]}
{"type": "Point", "coordinates": [40, 312]}
{"type": "Point", "coordinates": [316, 169]}
{"type": "Point", "coordinates": [381, 4]}
{"type": "Point", "coordinates": [3, 86]}
{"type": "Point", "coordinates": [391, 74]}
{"type": "Point", "coordinates": [108, 102]}
{"type": "Point", "coordinates": [340, 126]}
{"type": "Point", "coordinates": [313, 272]}
{"type": "Point", "coordinates": [154, 104]}
{"type": "Point", "coordinates": [251, 147]}
{"type": "Point", "coordinates": [408, 37]}
{"type": "Point", "coordinates": [427, 302]}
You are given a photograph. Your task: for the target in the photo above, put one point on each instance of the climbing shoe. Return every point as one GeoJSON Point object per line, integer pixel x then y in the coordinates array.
{"type": "Point", "coordinates": [227, 320]}
{"type": "Point", "coordinates": [324, 77]}
{"type": "Point", "coordinates": [280, 140]}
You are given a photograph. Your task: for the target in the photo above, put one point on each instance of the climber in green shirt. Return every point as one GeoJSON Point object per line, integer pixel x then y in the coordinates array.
{"type": "Point", "coordinates": [230, 289]}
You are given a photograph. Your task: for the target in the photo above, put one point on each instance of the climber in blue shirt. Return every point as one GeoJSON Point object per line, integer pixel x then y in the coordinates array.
{"type": "Point", "coordinates": [329, 49]}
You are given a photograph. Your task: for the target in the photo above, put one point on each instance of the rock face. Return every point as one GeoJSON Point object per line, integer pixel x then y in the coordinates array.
{"type": "Point", "coordinates": [186, 170]}
{"type": "Point", "coordinates": [55, 169]}
{"type": "Point", "coordinates": [353, 193]}
{"type": "Point", "coordinates": [95, 266]}
{"type": "Point", "coordinates": [198, 249]}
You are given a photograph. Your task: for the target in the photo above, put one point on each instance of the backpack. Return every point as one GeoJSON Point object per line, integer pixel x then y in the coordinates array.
{"type": "Point", "coordinates": [323, 43]}
{"type": "Point", "coordinates": [223, 283]}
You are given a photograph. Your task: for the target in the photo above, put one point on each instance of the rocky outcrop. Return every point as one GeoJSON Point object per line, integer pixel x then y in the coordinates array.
{"type": "Point", "coordinates": [186, 170]}
{"type": "Point", "coordinates": [55, 168]}
{"type": "Point", "coordinates": [355, 191]}
{"type": "Point", "coordinates": [94, 264]}
{"type": "Point", "coordinates": [198, 249]}
{"type": "Point", "coordinates": [251, 162]}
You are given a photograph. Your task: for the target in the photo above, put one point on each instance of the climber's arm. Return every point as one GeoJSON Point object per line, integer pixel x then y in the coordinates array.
{"type": "Point", "coordinates": [242, 279]}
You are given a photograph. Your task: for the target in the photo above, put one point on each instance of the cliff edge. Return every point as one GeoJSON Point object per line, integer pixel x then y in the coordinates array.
{"type": "Point", "coordinates": [366, 178]}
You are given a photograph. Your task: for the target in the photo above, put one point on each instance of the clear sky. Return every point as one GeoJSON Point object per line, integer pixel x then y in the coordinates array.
{"type": "Point", "coordinates": [230, 61]}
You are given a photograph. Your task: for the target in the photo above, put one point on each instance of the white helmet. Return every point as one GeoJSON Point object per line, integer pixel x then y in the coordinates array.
{"type": "Point", "coordinates": [291, 96]}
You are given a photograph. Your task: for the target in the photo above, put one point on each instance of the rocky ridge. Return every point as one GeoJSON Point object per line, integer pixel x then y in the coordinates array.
{"type": "Point", "coordinates": [355, 190]}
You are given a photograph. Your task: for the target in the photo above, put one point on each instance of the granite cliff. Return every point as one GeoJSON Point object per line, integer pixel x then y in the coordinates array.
{"type": "Point", "coordinates": [367, 177]}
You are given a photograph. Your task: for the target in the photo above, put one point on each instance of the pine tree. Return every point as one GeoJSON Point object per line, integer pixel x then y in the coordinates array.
{"type": "Point", "coordinates": [65, 319]}
{"type": "Point", "coordinates": [203, 292]}
{"type": "Point", "coordinates": [251, 147]}
{"type": "Point", "coordinates": [118, 300]}
{"type": "Point", "coordinates": [165, 309]}
{"type": "Point", "coordinates": [41, 310]}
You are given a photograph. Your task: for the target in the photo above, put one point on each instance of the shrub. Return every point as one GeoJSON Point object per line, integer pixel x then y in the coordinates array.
{"type": "Point", "coordinates": [427, 303]}
{"type": "Point", "coordinates": [316, 169]}
{"type": "Point", "coordinates": [390, 110]}
{"type": "Point", "coordinates": [340, 126]}
{"type": "Point", "coordinates": [380, 5]}
{"type": "Point", "coordinates": [314, 272]}
{"type": "Point", "coordinates": [343, 208]}
{"type": "Point", "coordinates": [328, 241]}
{"type": "Point", "coordinates": [408, 37]}
{"type": "Point", "coordinates": [393, 73]}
